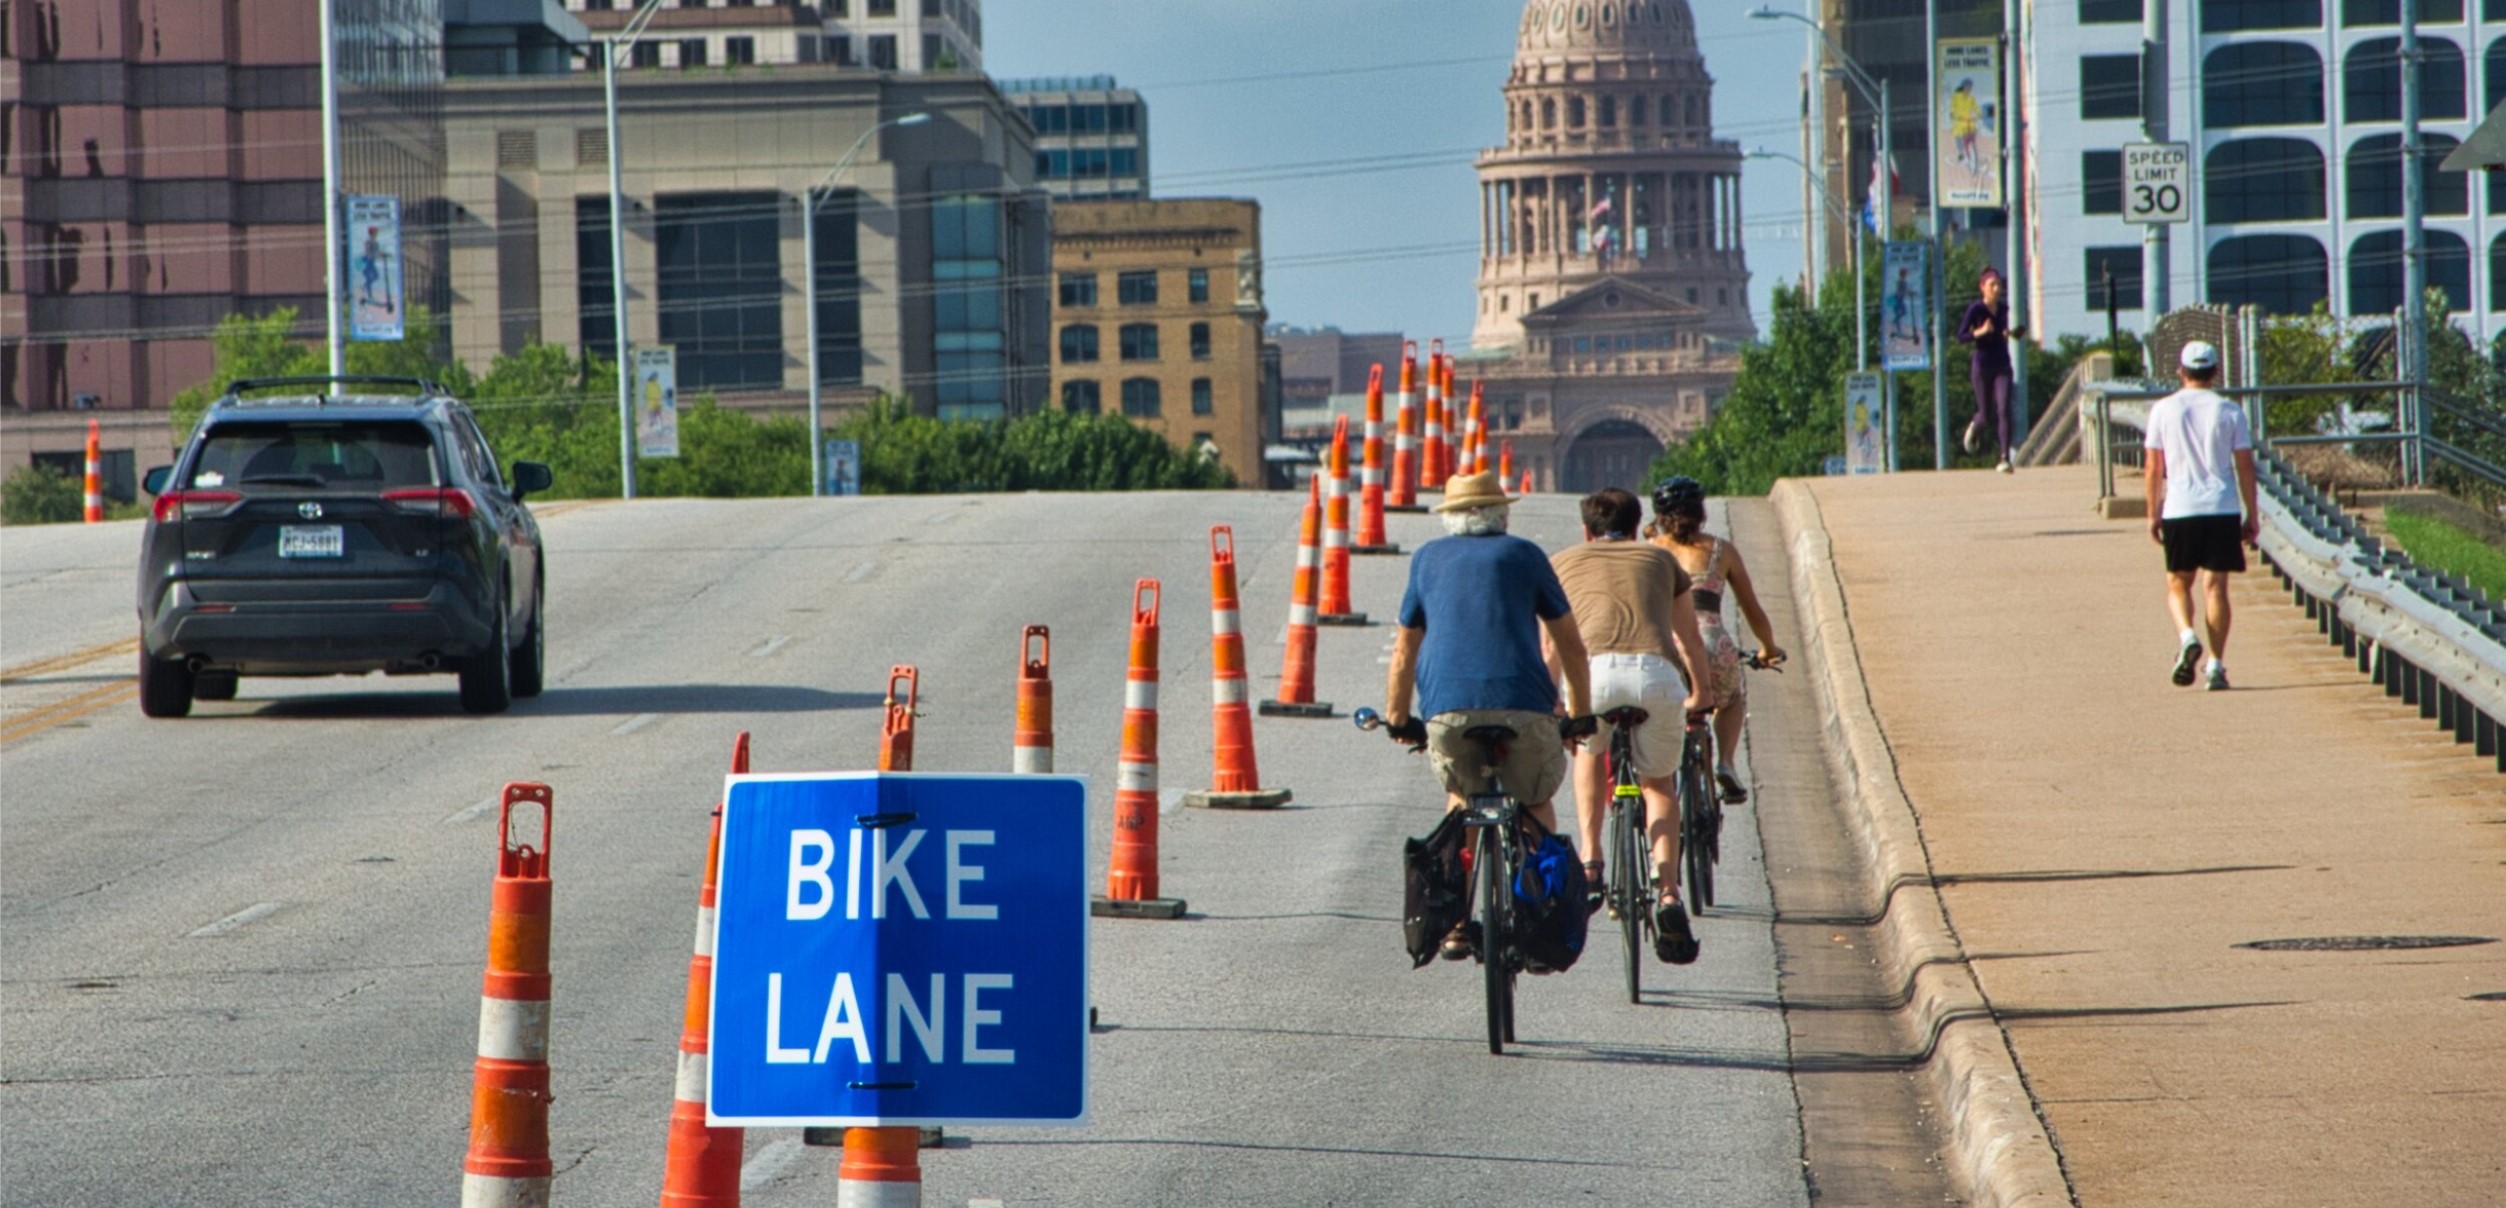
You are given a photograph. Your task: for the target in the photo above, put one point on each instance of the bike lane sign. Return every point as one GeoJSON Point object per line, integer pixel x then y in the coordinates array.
{"type": "Point", "coordinates": [900, 949]}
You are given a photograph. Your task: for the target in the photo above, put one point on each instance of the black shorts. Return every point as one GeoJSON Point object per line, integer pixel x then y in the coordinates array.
{"type": "Point", "coordinates": [2214, 543]}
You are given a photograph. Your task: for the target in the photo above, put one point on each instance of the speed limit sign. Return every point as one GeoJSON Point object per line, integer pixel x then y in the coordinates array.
{"type": "Point", "coordinates": [2157, 182]}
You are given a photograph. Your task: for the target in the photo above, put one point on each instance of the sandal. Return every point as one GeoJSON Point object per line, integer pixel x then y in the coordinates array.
{"type": "Point", "coordinates": [1673, 942]}
{"type": "Point", "coordinates": [1457, 944]}
{"type": "Point", "coordinates": [1596, 888]}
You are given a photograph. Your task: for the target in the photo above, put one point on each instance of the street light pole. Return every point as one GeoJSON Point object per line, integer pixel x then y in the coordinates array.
{"type": "Point", "coordinates": [334, 282]}
{"type": "Point", "coordinates": [620, 43]}
{"type": "Point", "coordinates": [810, 202]}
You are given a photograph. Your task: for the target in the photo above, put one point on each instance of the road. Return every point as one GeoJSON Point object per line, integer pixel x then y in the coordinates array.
{"type": "Point", "coordinates": [243, 949]}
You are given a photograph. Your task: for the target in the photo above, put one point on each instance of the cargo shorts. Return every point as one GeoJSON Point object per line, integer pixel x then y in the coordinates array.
{"type": "Point", "coordinates": [1535, 762]}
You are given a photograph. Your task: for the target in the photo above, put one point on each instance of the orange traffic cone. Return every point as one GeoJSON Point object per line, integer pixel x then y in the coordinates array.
{"type": "Point", "coordinates": [1431, 462]}
{"type": "Point", "coordinates": [1031, 744]}
{"type": "Point", "coordinates": [1236, 778]}
{"type": "Point", "coordinates": [1370, 497]}
{"type": "Point", "coordinates": [896, 733]}
{"type": "Point", "coordinates": [1131, 878]}
{"type": "Point", "coordinates": [1337, 609]}
{"type": "Point", "coordinates": [1402, 495]}
{"type": "Point", "coordinates": [1296, 670]}
{"type": "Point", "coordinates": [508, 1165]}
{"type": "Point", "coordinates": [1505, 467]}
{"type": "Point", "coordinates": [1452, 422]}
{"type": "Point", "coordinates": [1475, 436]}
{"type": "Point", "coordinates": [882, 1167]}
{"type": "Point", "coordinates": [95, 473]}
{"type": "Point", "coordinates": [702, 1168]}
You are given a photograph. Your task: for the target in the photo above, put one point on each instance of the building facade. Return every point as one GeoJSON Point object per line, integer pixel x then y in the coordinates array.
{"type": "Point", "coordinates": [1091, 136]}
{"type": "Point", "coordinates": [911, 37]}
{"type": "Point", "coordinates": [1613, 283]}
{"type": "Point", "coordinates": [164, 171]}
{"type": "Point", "coordinates": [933, 247]}
{"type": "Point", "coordinates": [2293, 111]}
{"type": "Point", "coordinates": [1158, 317]}
{"type": "Point", "coordinates": [1885, 39]}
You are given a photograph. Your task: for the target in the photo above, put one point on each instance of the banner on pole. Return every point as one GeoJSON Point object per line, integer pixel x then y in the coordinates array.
{"type": "Point", "coordinates": [374, 297]}
{"type": "Point", "coordinates": [657, 405]}
{"type": "Point", "coordinates": [1866, 448]}
{"type": "Point", "coordinates": [1905, 306]}
{"type": "Point", "coordinates": [1966, 149]}
{"type": "Point", "coordinates": [843, 467]}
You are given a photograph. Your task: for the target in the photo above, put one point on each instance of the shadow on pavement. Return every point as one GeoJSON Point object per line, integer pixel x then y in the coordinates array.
{"type": "Point", "coordinates": [623, 700]}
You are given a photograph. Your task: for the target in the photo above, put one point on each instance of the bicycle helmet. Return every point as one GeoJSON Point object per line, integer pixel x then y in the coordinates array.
{"type": "Point", "coordinates": [1682, 494]}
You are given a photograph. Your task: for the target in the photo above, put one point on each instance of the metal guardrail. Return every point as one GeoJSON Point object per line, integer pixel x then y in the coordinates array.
{"type": "Point", "coordinates": [2429, 638]}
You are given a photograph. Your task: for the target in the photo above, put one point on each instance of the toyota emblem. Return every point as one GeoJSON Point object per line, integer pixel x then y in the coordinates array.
{"type": "Point", "coordinates": [309, 510]}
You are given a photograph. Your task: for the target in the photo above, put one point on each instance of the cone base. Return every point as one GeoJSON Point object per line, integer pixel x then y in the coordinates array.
{"type": "Point", "coordinates": [1342, 618]}
{"type": "Point", "coordinates": [1141, 908]}
{"type": "Point", "coordinates": [826, 1137]}
{"type": "Point", "coordinates": [1374, 549]}
{"type": "Point", "coordinates": [1258, 799]}
{"type": "Point", "coordinates": [1282, 708]}
{"type": "Point", "coordinates": [1407, 509]}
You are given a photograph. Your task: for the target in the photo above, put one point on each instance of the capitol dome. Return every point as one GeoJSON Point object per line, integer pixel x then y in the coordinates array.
{"type": "Point", "coordinates": [1552, 27]}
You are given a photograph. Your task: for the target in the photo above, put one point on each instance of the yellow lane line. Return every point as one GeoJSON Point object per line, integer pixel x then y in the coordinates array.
{"type": "Point", "coordinates": [72, 709]}
{"type": "Point", "coordinates": [560, 508]}
{"type": "Point", "coordinates": [63, 662]}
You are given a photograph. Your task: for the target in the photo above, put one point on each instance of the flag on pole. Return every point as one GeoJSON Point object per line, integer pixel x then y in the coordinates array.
{"type": "Point", "coordinates": [1882, 195]}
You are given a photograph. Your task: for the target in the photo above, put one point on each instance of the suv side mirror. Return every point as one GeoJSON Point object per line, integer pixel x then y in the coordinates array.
{"type": "Point", "coordinates": [154, 483]}
{"type": "Point", "coordinates": [529, 476]}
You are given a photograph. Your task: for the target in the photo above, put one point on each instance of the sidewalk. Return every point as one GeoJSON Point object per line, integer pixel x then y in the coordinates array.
{"type": "Point", "coordinates": [2104, 840]}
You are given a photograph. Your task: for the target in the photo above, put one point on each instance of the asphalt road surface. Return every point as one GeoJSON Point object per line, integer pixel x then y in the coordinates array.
{"type": "Point", "coordinates": [243, 950]}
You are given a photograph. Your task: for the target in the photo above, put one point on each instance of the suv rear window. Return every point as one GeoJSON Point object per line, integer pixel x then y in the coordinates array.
{"type": "Point", "coordinates": [348, 456]}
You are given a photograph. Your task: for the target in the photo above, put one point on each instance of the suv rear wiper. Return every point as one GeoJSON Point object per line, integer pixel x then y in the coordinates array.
{"type": "Point", "coordinates": [289, 480]}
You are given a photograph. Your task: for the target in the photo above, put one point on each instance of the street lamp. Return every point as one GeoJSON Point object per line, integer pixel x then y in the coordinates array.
{"type": "Point", "coordinates": [618, 44]}
{"type": "Point", "coordinates": [1818, 181]}
{"type": "Point", "coordinates": [810, 202]}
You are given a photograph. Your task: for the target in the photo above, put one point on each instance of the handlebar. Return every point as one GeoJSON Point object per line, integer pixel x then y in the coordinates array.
{"type": "Point", "coordinates": [1758, 660]}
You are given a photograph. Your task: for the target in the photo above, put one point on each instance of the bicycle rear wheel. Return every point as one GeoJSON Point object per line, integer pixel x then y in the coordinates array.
{"type": "Point", "coordinates": [1628, 862]}
{"type": "Point", "coordinates": [1696, 839]}
{"type": "Point", "coordinates": [1495, 944]}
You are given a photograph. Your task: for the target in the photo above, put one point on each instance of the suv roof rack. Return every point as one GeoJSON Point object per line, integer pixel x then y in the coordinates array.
{"type": "Point", "coordinates": [426, 387]}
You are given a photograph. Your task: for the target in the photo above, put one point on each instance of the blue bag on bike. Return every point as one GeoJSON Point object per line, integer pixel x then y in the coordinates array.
{"type": "Point", "coordinates": [1549, 913]}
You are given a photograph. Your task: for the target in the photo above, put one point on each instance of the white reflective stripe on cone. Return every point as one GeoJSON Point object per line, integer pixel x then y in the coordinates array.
{"type": "Point", "coordinates": [513, 1029]}
{"type": "Point", "coordinates": [862, 1193]}
{"type": "Point", "coordinates": [1228, 690]}
{"type": "Point", "coordinates": [1139, 694]}
{"type": "Point", "coordinates": [1135, 777]}
{"type": "Point", "coordinates": [1225, 621]}
{"type": "Point", "coordinates": [1031, 761]}
{"type": "Point", "coordinates": [704, 931]}
{"type": "Point", "coordinates": [1304, 614]}
{"type": "Point", "coordinates": [488, 1191]}
{"type": "Point", "coordinates": [691, 1084]}
{"type": "Point", "coordinates": [1370, 477]}
{"type": "Point", "coordinates": [1335, 537]}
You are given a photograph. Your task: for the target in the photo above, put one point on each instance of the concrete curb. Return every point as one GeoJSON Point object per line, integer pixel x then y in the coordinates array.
{"type": "Point", "coordinates": [1999, 1151]}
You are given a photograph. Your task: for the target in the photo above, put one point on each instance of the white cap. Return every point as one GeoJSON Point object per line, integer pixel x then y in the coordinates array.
{"type": "Point", "coordinates": [2199, 355]}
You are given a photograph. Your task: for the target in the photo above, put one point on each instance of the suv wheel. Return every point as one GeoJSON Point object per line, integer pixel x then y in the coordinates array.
{"type": "Point", "coordinates": [530, 659]}
{"type": "Point", "coordinates": [165, 687]}
{"type": "Point", "coordinates": [487, 678]}
{"type": "Point", "coordinates": [213, 685]}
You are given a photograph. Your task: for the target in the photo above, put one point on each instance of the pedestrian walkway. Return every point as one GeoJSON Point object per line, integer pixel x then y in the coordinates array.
{"type": "Point", "coordinates": [2106, 843]}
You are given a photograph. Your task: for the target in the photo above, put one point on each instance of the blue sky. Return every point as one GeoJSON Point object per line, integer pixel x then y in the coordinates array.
{"type": "Point", "coordinates": [1354, 122]}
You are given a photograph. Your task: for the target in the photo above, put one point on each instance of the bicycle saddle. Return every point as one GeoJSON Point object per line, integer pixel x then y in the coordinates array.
{"type": "Point", "coordinates": [1487, 734]}
{"type": "Point", "coordinates": [1626, 715]}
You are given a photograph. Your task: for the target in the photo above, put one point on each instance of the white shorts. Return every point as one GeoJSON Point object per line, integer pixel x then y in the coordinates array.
{"type": "Point", "coordinates": [1651, 683]}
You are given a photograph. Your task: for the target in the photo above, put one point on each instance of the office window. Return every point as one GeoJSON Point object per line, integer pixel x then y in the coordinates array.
{"type": "Point", "coordinates": [840, 50]}
{"type": "Point", "coordinates": [931, 52]}
{"type": "Point", "coordinates": [2371, 80]}
{"type": "Point", "coordinates": [2497, 271]}
{"type": "Point", "coordinates": [1139, 398]}
{"type": "Point", "coordinates": [1123, 161]}
{"type": "Point", "coordinates": [1575, 112]}
{"type": "Point", "coordinates": [2375, 271]}
{"type": "Point", "coordinates": [2283, 274]}
{"type": "Point", "coordinates": [739, 50]}
{"type": "Point", "coordinates": [2109, 12]}
{"type": "Point", "coordinates": [646, 53]}
{"type": "Point", "coordinates": [1139, 341]}
{"type": "Point", "coordinates": [1123, 118]}
{"type": "Point", "coordinates": [2493, 72]}
{"type": "Point", "coordinates": [1136, 288]}
{"type": "Point", "coordinates": [595, 300]}
{"type": "Point", "coordinates": [2389, 12]}
{"type": "Point", "coordinates": [883, 51]}
{"type": "Point", "coordinates": [2101, 182]}
{"type": "Point", "coordinates": [1202, 403]}
{"type": "Point", "coordinates": [2228, 16]}
{"type": "Point", "coordinates": [2262, 84]}
{"type": "Point", "coordinates": [1196, 285]}
{"type": "Point", "coordinates": [2115, 270]}
{"type": "Point", "coordinates": [879, 8]}
{"type": "Point", "coordinates": [2264, 180]}
{"type": "Point", "coordinates": [1078, 289]}
{"type": "Point", "coordinates": [1200, 341]}
{"type": "Point", "coordinates": [1087, 119]}
{"type": "Point", "coordinates": [1079, 344]}
{"type": "Point", "coordinates": [1609, 112]}
{"type": "Point", "coordinates": [719, 260]}
{"type": "Point", "coordinates": [691, 52]}
{"type": "Point", "coordinates": [839, 8]}
{"type": "Point", "coordinates": [930, 8]}
{"type": "Point", "coordinates": [839, 288]}
{"type": "Point", "coordinates": [2110, 86]}
{"type": "Point", "coordinates": [969, 332]}
{"type": "Point", "coordinates": [2374, 177]}
{"type": "Point", "coordinates": [1084, 398]}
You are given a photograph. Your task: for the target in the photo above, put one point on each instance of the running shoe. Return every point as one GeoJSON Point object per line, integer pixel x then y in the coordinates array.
{"type": "Point", "coordinates": [2186, 660]}
{"type": "Point", "coordinates": [2217, 680]}
{"type": "Point", "coordinates": [1734, 792]}
{"type": "Point", "coordinates": [1972, 439]}
{"type": "Point", "coordinates": [1673, 942]}
{"type": "Point", "coordinates": [2004, 467]}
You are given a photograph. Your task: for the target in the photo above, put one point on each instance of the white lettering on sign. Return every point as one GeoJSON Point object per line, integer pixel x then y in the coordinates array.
{"type": "Point", "coordinates": [972, 1051]}
{"type": "Point", "coordinates": [927, 1020]}
{"type": "Point", "coordinates": [843, 1022]}
{"type": "Point", "coordinates": [776, 1054]}
{"type": "Point", "coordinates": [807, 872]}
{"type": "Point", "coordinates": [960, 872]}
{"type": "Point", "coordinates": [931, 1029]}
{"type": "Point", "coordinates": [891, 870]}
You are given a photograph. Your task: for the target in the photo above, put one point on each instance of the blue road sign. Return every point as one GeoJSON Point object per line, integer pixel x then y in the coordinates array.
{"type": "Point", "coordinates": [900, 948]}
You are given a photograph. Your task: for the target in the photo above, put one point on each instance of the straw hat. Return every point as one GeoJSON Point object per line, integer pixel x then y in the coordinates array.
{"type": "Point", "coordinates": [1465, 491]}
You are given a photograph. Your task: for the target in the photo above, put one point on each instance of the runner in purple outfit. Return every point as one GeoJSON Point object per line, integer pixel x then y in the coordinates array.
{"type": "Point", "coordinates": [1987, 326]}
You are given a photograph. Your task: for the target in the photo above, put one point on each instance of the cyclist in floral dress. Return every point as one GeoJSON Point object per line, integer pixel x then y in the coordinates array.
{"type": "Point", "coordinates": [1715, 565]}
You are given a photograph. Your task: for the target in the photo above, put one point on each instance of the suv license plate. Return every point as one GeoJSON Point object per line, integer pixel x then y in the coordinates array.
{"type": "Point", "coordinates": [311, 541]}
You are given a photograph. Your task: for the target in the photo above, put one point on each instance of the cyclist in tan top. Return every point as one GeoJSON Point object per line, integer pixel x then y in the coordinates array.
{"type": "Point", "coordinates": [1632, 605]}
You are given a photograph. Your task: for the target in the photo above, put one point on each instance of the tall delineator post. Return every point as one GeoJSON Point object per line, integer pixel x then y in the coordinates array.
{"type": "Point", "coordinates": [2014, 201]}
{"type": "Point", "coordinates": [2414, 341]}
{"type": "Point", "coordinates": [2154, 258]}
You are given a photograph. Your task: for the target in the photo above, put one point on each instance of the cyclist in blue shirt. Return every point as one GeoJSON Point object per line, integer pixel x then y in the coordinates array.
{"type": "Point", "coordinates": [1469, 647]}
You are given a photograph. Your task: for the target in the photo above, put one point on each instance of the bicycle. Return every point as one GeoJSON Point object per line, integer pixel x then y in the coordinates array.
{"type": "Point", "coordinates": [1630, 891]}
{"type": "Point", "coordinates": [1496, 858]}
{"type": "Point", "coordinates": [1701, 801]}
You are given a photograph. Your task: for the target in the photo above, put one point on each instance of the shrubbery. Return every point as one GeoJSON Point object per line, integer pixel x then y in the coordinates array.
{"type": "Point", "coordinates": [41, 495]}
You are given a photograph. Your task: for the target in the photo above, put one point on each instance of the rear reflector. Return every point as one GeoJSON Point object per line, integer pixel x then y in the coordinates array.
{"type": "Point", "coordinates": [193, 503]}
{"type": "Point", "coordinates": [451, 502]}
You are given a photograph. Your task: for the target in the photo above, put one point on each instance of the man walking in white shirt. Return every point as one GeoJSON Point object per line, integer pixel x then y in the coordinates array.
{"type": "Point", "coordinates": [2202, 510]}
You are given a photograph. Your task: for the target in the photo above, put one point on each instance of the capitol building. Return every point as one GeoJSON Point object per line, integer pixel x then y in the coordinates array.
{"type": "Point", "coordinates": [1613, 287]}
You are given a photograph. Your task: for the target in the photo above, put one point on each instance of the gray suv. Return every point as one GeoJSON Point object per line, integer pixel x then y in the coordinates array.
{"type": "Point", "coordinates": [337, 534]}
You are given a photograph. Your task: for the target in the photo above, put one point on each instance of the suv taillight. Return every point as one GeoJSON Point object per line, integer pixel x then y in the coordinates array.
{"type": "Point", "coordinates": [193, 503]}
{"type": "Point", "coordinates": [451, 502]}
